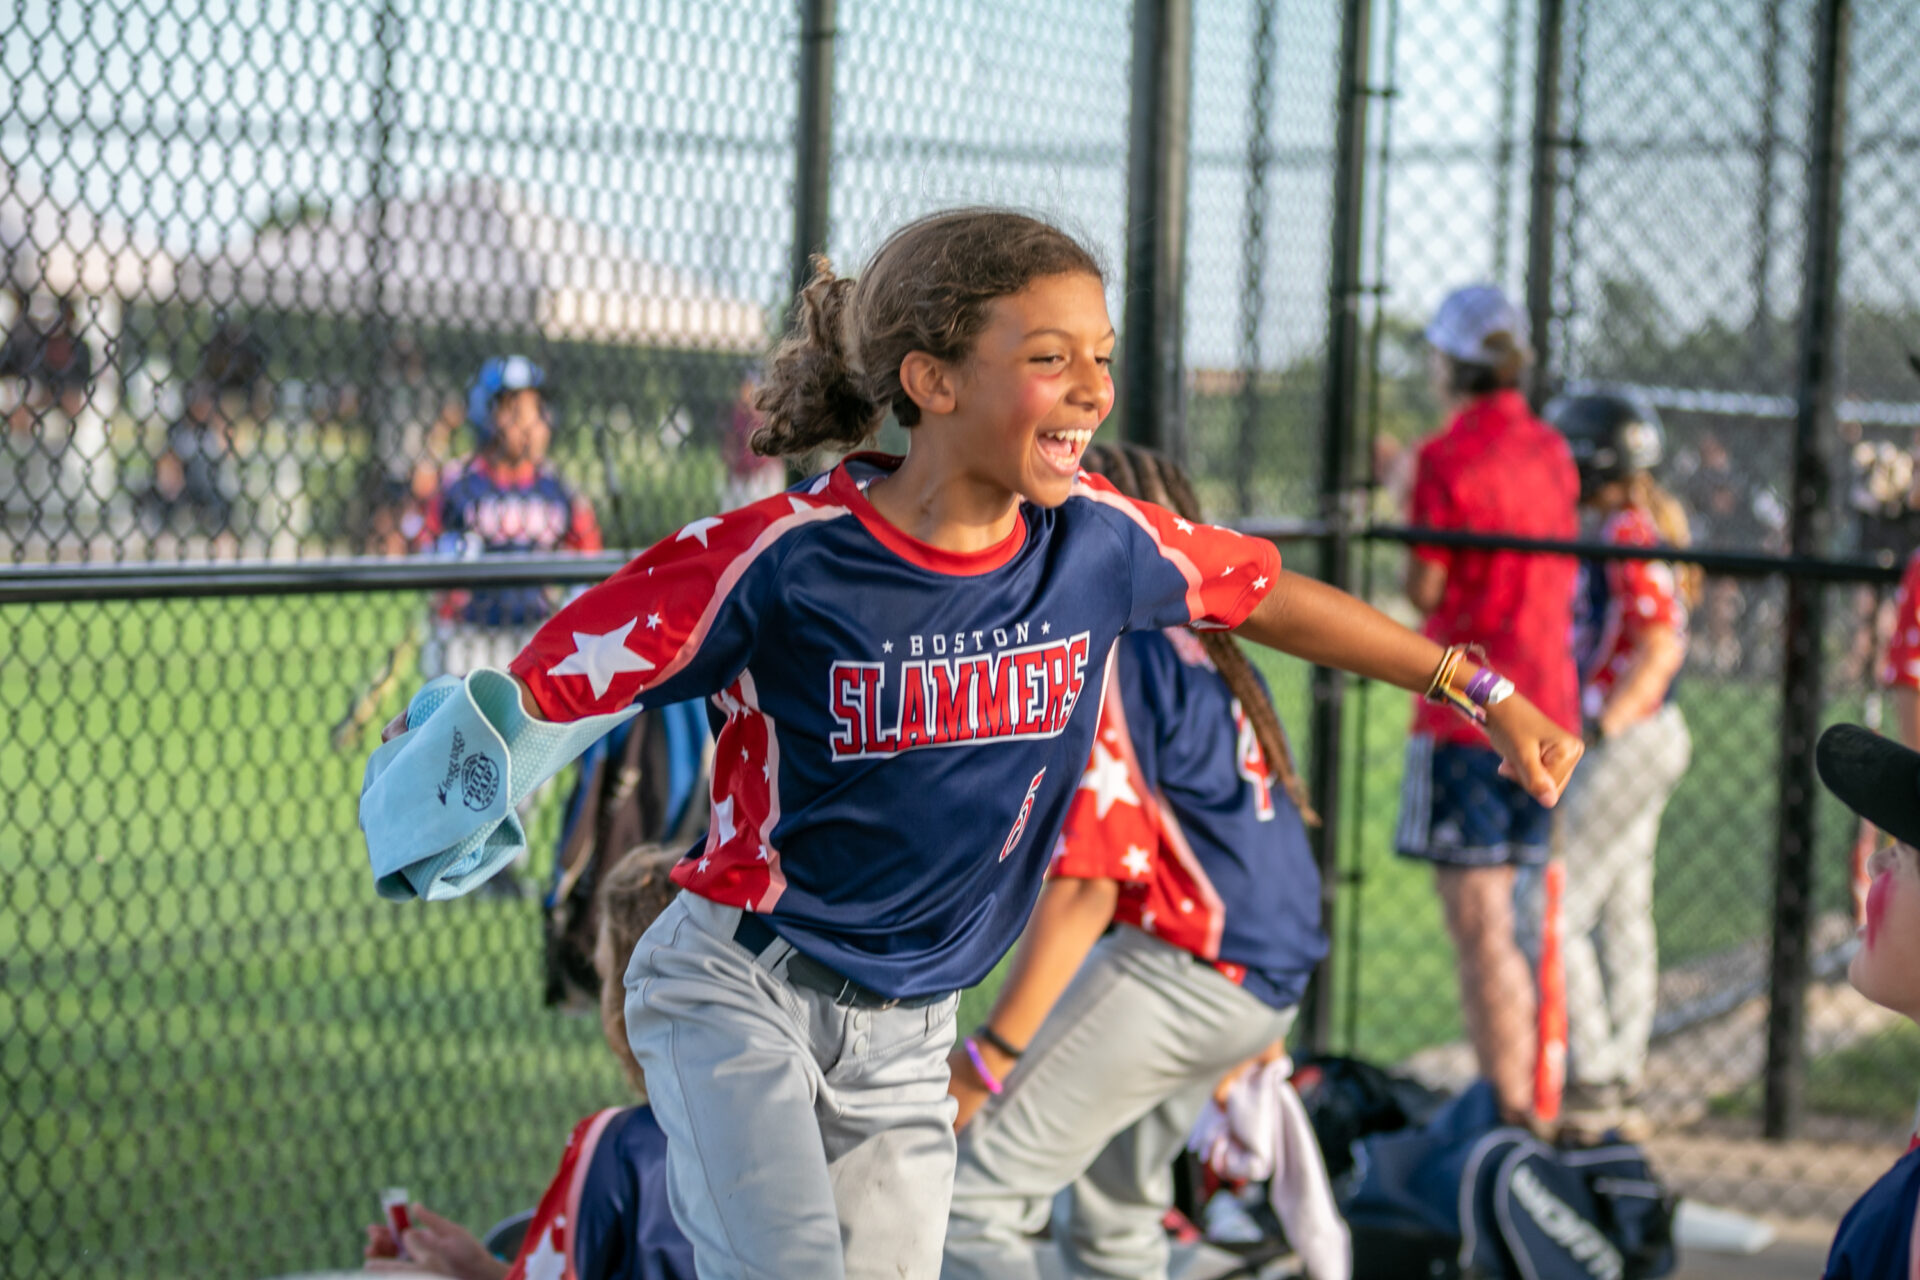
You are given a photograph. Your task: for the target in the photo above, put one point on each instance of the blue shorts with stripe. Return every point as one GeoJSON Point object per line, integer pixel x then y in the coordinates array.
{"type": "Point", "coordinates": [1456, 809]}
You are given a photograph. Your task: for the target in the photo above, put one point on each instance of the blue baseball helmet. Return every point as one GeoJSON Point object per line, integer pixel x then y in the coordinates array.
{"type": "Point", "coordinates": [499, 376]}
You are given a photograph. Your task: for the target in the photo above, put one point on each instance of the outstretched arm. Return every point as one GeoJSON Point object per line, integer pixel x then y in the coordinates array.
{"type": "Point", "coordinates": [1330, 628]}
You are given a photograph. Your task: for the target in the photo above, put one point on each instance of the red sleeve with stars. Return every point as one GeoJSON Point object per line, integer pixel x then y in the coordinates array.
{"type": "Point", "coordinates": [1902, 669]}
{"type": "Point", "coordinates": [677, 622]}
{"type": "Point", "coordinates": [1644, 590]}
{"type": "Point", "coordinates": [1111, 831]}
{"type": "Point", "coordinates": [1185, 573]}
{"type": "Point", "coordinates": [1119, 827]}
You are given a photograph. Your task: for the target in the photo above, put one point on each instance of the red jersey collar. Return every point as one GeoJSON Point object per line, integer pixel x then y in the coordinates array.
{"type": "Point", "coordinates": [843, 488]}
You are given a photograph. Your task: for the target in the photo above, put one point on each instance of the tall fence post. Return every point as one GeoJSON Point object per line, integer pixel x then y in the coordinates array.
{"type": "Point", "coordinates": [1253, 289]}
{"type": "Point", "coordinates": [1153, 390]}
{"type": "Point", "coordinates": [388, 33]}
{"type": "Point", "coordinates": [1543, 221]}
{"type": "Point", "coordinates": [1801, 684]}
{"type": "Point", "coordinates": [813, 143]}
{"type": "Point", "coordinates": [1339, 426]}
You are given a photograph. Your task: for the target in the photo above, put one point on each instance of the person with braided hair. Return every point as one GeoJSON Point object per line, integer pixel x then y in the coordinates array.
{"type": "Point", "coordinates": [1100, 1053]}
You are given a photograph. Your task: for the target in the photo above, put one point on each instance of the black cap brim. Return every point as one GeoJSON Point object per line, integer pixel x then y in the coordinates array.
{"type": "Point", "coordinates": [1875, 777]}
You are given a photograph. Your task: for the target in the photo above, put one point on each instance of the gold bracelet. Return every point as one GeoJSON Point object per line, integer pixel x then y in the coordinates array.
{"type": "Point", "coordinates": [1443, 674]}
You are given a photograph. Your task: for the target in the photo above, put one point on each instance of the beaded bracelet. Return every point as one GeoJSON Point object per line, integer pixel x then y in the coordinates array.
{"type": "Point", "coordinates": [980, 1066]}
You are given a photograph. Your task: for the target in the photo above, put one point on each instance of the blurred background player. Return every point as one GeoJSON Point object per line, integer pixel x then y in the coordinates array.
{"type": "Point", "coordinates": [1178, 834]}
{"type": "Point", "coordinates": [1494, 469]}
{"type": "Point", "coordinates": [1630, 638]}
{"type": "Point", "coordinates": [605, 1215]}
{"type": "Point", "coordinates": [505, 498]}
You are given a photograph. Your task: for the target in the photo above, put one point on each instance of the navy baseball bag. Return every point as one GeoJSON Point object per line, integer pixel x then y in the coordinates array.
{"type": "Point", "coordinates": [1466, 1196]}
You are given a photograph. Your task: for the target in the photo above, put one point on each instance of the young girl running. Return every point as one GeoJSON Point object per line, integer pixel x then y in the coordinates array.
{"type": "Point", "coordinates": [1630, 639]}
{"type": "Point", "coordinates": [1178, 833]}
{"type": "Point", "coordinates": [900, 648]}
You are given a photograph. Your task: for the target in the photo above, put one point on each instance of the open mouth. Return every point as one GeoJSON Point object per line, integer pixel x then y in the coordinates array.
{"type": "Point", "coordinates": [1062, 449]}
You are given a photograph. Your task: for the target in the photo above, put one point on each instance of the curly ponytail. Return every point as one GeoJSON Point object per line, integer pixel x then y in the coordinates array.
{"type": "Point", "coordinates": [812, 395]}
{"type": "Point", "coordinates": [930, 287]}
{"type": "Point", "coordinates": [1141, 473]}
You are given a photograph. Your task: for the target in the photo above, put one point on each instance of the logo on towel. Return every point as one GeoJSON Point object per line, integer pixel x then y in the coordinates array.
{"type": "Point", "coordinates": [479, 780]}
{"type": "Point", "coordinates": [477, 775]}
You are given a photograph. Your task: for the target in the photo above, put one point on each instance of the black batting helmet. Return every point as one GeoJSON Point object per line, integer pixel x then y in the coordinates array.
{"type": "Point", "coordinates": [1611, 436]}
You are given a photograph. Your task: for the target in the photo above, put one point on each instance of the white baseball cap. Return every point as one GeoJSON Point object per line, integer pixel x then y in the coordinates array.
{"type": "Point", "coordinates": [1468, 316]}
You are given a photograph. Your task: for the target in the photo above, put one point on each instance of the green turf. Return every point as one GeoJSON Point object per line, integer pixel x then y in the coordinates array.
{"type": "Point", "coordinates": [216, 1045]}
{"type": "Point", "coordinates": [1876, 1079]}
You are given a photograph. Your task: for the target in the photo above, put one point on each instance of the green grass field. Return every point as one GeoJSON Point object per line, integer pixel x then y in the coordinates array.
{"type": "Point", "coordinates": [217, 1045]}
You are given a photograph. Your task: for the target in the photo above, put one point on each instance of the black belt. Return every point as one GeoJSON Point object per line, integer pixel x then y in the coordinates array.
{"type": "Point", "coordinates": [804, 971]}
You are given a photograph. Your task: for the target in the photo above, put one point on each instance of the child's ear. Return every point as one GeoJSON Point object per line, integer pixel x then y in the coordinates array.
{"type": "Point", "coordinates": [928, 382]}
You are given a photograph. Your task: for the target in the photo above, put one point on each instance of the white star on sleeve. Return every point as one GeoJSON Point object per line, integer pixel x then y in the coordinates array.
{"type": "Point", "coordinates": [547, 1262]}
{"type": "Point", "coordinates": [601, 658]}
{"type": "Point", "coordinates": [1183, 525]}
{"type": "Point", "coordinates": [1259, 583]}
{"type": "Point", "coordinates": [723, 820]}
{"type": "Point", "coordinates": [653, 622]}
{"type": "Point", "coordinates": [1137, 862]}
{"type": "Point", "coordinates": [1107, 779]}
{"type": "Point", "coordinates": [699, 529]}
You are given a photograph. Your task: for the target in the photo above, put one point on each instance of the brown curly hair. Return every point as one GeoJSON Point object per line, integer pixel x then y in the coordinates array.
{"type": "Point", "coordinates": [832, 381]}
{"type": "Point", "coordinates": [630, 898]}
{"type": "Point", "coordinates": [1151, 477]}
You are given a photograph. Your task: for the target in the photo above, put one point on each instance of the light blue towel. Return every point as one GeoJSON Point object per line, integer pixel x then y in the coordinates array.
{"type": "Point", "coordinates": [437, 804]}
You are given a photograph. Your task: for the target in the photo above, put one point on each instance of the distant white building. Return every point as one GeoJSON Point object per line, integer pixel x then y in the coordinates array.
{"type": "Point", "coordinates": [476, 252]}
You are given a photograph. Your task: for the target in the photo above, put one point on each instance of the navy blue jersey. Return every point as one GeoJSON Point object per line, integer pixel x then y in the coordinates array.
{"type": "Point", "coordinates": [605, 1216]}
{"type": "Point", "coordinates": [902, 725]}
{"type": "Point", "coordinates": [1876, 1240]}
{"type": "Point", "coordinates": [486, 508]}
{"type": "Point", "coordinates": [1178, 804]}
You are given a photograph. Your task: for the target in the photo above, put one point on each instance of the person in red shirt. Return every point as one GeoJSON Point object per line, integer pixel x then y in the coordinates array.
{"type": "Point", "coordinates": [1494, 469]}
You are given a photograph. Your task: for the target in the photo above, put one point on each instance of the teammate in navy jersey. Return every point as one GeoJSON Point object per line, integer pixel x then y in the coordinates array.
{"type": "Point", "coordinates": [1177, 834]}
{"type": "Point", "coordinates": [900, 649]}
{"type": "Point", "coordinates": [505, 498]}
{"type": "Point", "coordinates": [605, 1215]}
{"type": "Point", "coordinates": [1879, 779]}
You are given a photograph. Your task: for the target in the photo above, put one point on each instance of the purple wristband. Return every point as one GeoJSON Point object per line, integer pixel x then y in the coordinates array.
{"type": "Point", "coordinates": [1481, 685]}
{"type": "Point", "coordinates": [980, 1065]}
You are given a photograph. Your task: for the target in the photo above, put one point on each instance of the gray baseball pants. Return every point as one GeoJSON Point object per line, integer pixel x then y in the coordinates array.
{"type": "Point", "coordinates": [804, 1137]}
{"type": "Point", "coordinates": [1606, 827]}
{"type": "Point", "coordinates": [1102, 1100]}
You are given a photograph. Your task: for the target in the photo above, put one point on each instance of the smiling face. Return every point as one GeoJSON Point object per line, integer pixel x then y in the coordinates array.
{"type": "Point", "coordinates": [1036, 385]}
{"type": "Point", "coordinates": [1886, 969]}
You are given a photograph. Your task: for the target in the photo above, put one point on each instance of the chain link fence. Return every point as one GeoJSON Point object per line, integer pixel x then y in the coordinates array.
{"type": "Point", "coordinates": [255, 256]}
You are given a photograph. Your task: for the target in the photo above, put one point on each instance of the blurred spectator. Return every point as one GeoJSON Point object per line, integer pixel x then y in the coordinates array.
{"type": "Point", "coordinates": [750, 476]}
{"type": "Point", "coordinates": [505, 498]}
{"type": "Point", "coordinates": [49, 355]}
{"type": "Point", "coordinates": [1494, 469]}
{"type": "Point", "coordinates": [1729, 511]}
{"type": "Point", "coordinates": [191, 475]}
